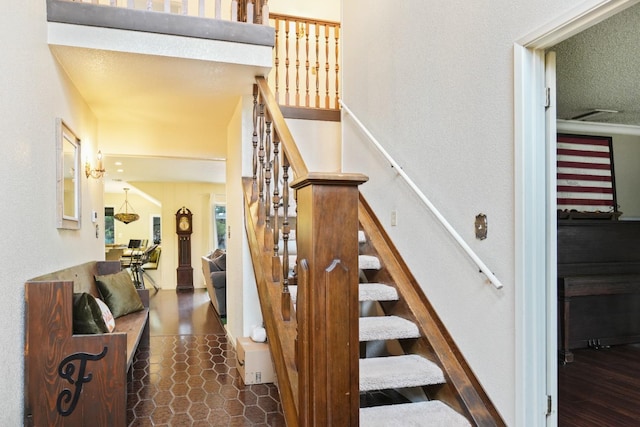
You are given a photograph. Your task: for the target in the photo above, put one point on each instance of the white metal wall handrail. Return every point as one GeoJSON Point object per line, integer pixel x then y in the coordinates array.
{"type": "Point", "coordinates": [481, 265]}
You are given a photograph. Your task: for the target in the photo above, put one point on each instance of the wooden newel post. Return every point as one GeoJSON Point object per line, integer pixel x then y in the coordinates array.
{"type": "Point", "coordinates": [327, 303]}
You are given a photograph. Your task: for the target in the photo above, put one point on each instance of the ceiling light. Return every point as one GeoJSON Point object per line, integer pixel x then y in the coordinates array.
{"type": "Point", "coordinates": [126, 216]}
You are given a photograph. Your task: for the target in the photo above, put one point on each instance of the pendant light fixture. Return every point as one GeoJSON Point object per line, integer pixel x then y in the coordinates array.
{"type": "Point", "coordinates": [126, 216]}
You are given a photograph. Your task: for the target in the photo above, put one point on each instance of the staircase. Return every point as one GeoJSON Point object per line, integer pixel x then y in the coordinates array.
{"type": "Point", "coordinates": [388, 381]}
{"type": "Point", "coordinates": [386, 367]}
{"type": "Point", "coordinates": [373, 353]}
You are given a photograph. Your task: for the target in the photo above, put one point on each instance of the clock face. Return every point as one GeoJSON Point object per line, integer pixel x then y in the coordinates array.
{"type": "Point", "coordinates": [184, 224]}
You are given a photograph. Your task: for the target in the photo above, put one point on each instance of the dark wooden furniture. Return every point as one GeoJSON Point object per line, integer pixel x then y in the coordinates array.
{"type": "Point", "coordinates": [76, 380]}
{"type": "Point", "coordinates": [598, 284]}
{"type": "Point", "coordinates": [184, 228]}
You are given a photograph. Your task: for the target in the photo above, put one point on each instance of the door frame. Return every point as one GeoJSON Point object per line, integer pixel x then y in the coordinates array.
{"type": "Point", "coordinates": [535, 307]}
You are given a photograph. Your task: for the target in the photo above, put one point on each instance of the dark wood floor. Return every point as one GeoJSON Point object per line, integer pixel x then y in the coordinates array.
{"type": "Point", "coordinates": [182, 313]}
{"type": "Point", "coordinates": [600, 388]}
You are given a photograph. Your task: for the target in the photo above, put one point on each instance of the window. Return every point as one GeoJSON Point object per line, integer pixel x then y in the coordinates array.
{"type": "Point", "coordinates": [220, 220]}
{"type": "Point", "coordinates": [109, 228]}
{"type": "Point", "coordinates": [156, 229]}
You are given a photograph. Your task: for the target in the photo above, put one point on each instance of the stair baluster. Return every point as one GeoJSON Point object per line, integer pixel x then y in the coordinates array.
{"type": "Point", "coordinates": [276, 265]}
{"type": "Point", "coordinates": [286, 296]}
{"type": "Point", "coordinates": [276, 61]}
{"type": "Point", "coordinates": [298, 36]}
{"type": "Point", "coordinates": [254, 142]}
{"type": "Point", "coordinates": [261, 160]}
{"type": "Point", "coordinates": [317, 65]}
{"type": "Point", "coordinates": [267, 181]}
{"type": "Point", "coordinates": [287, 24]}
{"type": "Point", "coordinates": [336, 31]}
{"type": "Point", "coordinates": [326, 66]}
{"type": "Point", "coordinates": [306, 63]}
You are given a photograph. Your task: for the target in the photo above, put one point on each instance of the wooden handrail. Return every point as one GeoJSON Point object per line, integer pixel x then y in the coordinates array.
{"type": "Point", "coordinates": [298, 18]}
{"type": "Point", "coordinates": [324, 327]}
{"type": "Point", "coordinates": [286, 139]}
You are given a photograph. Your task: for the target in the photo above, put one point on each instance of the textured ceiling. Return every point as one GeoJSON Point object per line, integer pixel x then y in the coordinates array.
{"type": "Point", "coordinates": [599, 68]}
{"type": "Point", "coordinates": [120, 85]}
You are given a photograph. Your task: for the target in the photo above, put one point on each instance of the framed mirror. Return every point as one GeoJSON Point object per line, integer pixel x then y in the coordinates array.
{"type": "Point", "coordinates": [68, 177]}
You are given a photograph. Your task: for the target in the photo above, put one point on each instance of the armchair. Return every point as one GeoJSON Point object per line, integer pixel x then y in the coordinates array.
{"type": "Point", "coordinates": [214, 271]}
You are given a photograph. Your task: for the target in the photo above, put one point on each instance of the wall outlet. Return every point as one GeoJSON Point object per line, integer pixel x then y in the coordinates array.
{"type": "Point", "coordinates": [394, 218]}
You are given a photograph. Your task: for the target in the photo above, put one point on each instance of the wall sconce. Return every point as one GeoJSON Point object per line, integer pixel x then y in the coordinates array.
{"type": "Point", "coordinates": [96, 173]}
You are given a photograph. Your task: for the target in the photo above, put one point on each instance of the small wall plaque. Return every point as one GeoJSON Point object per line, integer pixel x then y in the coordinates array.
{"type": "Point", "coordinates": [481, 226]}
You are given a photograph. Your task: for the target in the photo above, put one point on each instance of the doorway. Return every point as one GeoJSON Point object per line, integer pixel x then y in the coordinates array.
{"type": "Point", "coordinates": [536, 312]}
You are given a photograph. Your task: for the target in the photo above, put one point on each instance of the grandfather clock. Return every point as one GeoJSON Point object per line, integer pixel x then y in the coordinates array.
{"type": "Point", "coordinates": [184, 230]}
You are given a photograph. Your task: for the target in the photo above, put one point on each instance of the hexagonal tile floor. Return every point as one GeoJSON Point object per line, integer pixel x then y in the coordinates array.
{"type": "Point", "coordinates": [191, 380]}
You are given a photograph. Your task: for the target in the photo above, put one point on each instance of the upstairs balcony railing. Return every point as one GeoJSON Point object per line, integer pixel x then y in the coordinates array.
{"type": "Point", "coordinates": [306, 64]}
{"type": "Point", "coordinates": [232, 10]}
{"type": "Point", "coordinates": [306, 54]}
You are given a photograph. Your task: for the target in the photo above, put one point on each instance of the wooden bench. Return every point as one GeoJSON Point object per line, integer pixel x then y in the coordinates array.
{"type": "Point", "coordinates": [598, 284]}
{"type": "Point", "coordinates": [77, 379]}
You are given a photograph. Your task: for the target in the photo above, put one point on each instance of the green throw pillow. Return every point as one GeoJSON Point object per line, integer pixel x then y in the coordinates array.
{"type": "Point", "coordinates": [87, 315]}
{"type": "Point", "coordinates": [119, 293]}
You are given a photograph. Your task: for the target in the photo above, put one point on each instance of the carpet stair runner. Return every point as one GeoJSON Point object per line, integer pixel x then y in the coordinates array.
{"type": "Point", "coordinates": [398, 372]}
{"type": "Point", "coordinates": [395, 372]}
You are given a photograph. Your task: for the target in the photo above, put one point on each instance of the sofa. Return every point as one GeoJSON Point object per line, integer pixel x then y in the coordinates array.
{"type": "Point", "coordinates": [214, 270]}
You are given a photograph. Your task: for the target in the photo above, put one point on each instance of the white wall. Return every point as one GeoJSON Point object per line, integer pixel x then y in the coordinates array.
{"type": "Point", "coordinates": [626, 152]}
{"type": "Point", "coordinates": [133, 138]}
{"type": "Point", "coordinates": [435, 86]}
{"type": "Point", "coordinates": [34, 92]}
{"type": "Point", "coordinates": [319, 143]}
{"type": "Point", "coordinates": [243, 306]}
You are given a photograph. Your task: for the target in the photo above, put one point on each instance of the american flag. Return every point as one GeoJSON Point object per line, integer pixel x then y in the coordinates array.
{"type": "Point", "coordinates": [585, 174]}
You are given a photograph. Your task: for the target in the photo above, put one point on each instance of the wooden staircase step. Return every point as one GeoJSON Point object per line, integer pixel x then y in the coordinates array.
{"type": "Point", "coordinates": [387, 328]}
{"type": "Point", "coordinates": [411, 370]}
{"type": "Point", "coordinates": [429, 413]}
